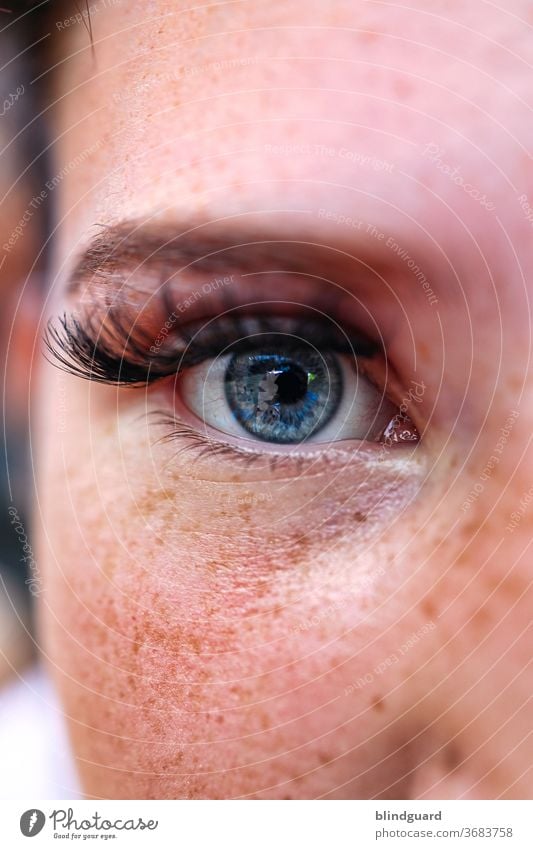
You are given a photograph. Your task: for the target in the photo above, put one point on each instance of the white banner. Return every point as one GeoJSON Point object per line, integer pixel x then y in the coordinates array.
{"type": "Point", "coordinates": [267, 824]}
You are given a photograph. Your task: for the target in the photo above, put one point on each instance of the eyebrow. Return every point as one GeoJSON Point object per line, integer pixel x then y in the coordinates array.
{"type": "Point", "coordinates": [127, 246]}
{"type": "Point", "coordinates": [169, 249]}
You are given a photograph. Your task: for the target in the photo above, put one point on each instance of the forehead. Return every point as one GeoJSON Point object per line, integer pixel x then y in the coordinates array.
{"type": "Point", "coordinates": [343, 113]}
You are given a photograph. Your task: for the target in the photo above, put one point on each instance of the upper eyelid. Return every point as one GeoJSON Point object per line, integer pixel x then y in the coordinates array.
{"type": "Point", "coordinates": [132, 264]}
{"type": "Point", "coordinates": [116, 356]}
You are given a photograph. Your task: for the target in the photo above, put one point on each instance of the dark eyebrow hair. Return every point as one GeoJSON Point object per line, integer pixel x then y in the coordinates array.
{"type": "Point", "coordinates": [209, 247]}
{"type": "Point", "coordinates": [127, 246]}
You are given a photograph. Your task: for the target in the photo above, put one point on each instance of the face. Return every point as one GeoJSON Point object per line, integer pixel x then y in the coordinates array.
{"type": "Point", "coordinates": [284, 526]}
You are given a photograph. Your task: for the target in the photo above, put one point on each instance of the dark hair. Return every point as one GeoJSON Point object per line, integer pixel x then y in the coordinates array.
{"type": "Point", "coordinates": [25, 58]}
{"type": "Point", "coordinates": [24, 27]}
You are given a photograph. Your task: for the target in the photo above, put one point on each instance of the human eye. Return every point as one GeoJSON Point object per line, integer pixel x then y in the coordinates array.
{"type": "Point", "coordinates": [242, 348]}
{"type": "Point", "coordinates": [251, 379]}
{"type": "Point", "coordinates": [289, 383]}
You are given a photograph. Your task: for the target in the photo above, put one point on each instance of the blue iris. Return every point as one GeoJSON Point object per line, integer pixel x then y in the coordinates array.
{"type": "Point", "coordinates": [283, 397]}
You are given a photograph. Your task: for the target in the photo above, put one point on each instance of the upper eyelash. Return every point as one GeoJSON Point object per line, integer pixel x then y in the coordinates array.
{"type": "Point", "coordinates": [110, 353]}
{"type": "Point", "coordinates": [88, 352]}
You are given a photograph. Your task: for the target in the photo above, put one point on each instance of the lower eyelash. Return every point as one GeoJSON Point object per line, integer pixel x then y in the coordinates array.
{"type": "Point", "coordinates": [199, 446]}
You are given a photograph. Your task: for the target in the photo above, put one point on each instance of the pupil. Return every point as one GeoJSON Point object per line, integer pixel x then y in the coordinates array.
{"type": "Point", "coordinates": [291, 385]}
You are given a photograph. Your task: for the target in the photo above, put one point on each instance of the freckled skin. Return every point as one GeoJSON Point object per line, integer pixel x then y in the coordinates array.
{"type": "Point", "coordinates": [331, 641]}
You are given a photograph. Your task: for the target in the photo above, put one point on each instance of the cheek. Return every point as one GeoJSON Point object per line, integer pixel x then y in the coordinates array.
{"type": "Point", "coordinates": [220, 639]}
{"type": "Point", "coordinates": [168, 703]}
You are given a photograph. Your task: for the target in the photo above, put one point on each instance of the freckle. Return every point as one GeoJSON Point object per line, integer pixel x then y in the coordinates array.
{"type": "Point", "coordinates": [195, 644]}
{"type": "Point", "coordinates": [110, 618]}
{"type": "Point", "coordinates": [512, 587]}
{"type": "Point", "coordinates": [296, 550]}
{"type": "Point", "coordinates": [464, 558]}
{"type": "Point", "coordinates": [402, 89]}
{"type": "Point", "coordinates": [471, 528]}
{"type": "Point", "coordinates": [428, 608]}
{"type": "Point", "coordinates": [369, 37]}
{"type": "Point", "coordinates": [246, 507]}
{"type": "Point", "coordinates": [423, 351]}
{"type": "Point", "coordinates": [109, 566]}
{"type": "Point", "coordinates": [324, 758]}
{"type": "Point", "coordinates": [360, 517]}
{"type": "Point", "coordinates": [481, 617]}
{"type": "Point", "coordinates": [264, 721]}
{"type": "Point", "coordinates": [451, 757]}
{"type": "Point", "coordinates": [147, 505]}
{"type": "Point", "coordinates": [454, 461]}
{"type": "Point", "coordinates": [378, 704]}
{"type": "Point", "coordinates": [220, 718]}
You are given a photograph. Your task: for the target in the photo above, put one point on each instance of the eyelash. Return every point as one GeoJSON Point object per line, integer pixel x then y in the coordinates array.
{"type": "Point", "coordinates": [91, 352]}
{"type": "Point", "coordinates": [198, 446]}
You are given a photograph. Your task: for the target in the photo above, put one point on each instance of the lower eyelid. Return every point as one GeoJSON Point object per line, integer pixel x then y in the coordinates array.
{"type": "Point", "coordinates": [198, 441]}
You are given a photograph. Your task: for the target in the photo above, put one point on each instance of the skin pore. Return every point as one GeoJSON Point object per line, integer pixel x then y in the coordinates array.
{"type": "Point", "coordinates": [348, 621]}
